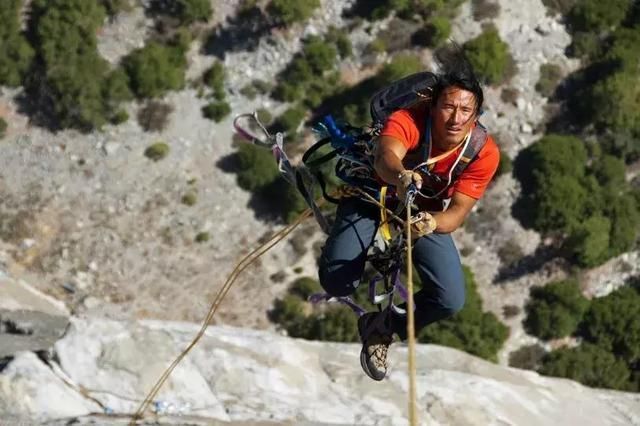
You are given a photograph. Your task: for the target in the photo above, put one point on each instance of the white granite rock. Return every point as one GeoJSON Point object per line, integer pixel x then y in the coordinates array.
{"type": "Point", "coordinates": [252, 376]}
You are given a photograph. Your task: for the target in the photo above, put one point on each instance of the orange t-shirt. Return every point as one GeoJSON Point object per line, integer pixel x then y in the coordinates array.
{"type": "Point", "coordinates": [409, 126]}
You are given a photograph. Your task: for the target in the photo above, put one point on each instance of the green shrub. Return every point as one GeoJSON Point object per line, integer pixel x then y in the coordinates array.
{"type": "Point", "coordinates": [256, 87]}
{"type": "Point", "coordinates": [153, 116]}
{"type": "Point", "coordinates": [551, 173]}
{"type": "Point", "coordinates": [505, 166]}
{"type": "Point", "coordinates": [586, 45]}
{"type": "Point", "coordinates": [3, 127]}
{"type": "Point", "coordinates": [555, 310]}
{"type": "Point", "coordinates": [624, 213]}
{"type": "Point", "coordinates": [216, 110]}
{"type": "Point", "coordinates": [613, 324]}
{"type": "Point", "coordinates": [289, 121]}
{"type": "Point", "coordinates": [15, 52]}
{"type": "Point", "coordinates": [119, 117]}
{"type": "Point", "coordinates": [490, 57]}
{"type": "Point", "coordinates": [550, 76]}
{"type": "Point", "coordinates": [214, 78]}
{"type": "Point", "coordinates": [114, 7]}
{"type": "Point", "coordinates": [305, 78]}
{"type": "Point", "coordinates": [471, 330]}
{"type": "Point", "coordinates": [589, 241]}
{"type": "Point", "coordinates": [202, 237]}
{"type": "Point", "coordinates": [256, 167]}
{"type": "Point", "coordinates": [596, 16]}
{"type": "Point", "coordinates": [288, 12]}
{"type": "Point", "coordinates": [527, 357]}
{"type": "Point", "coordinates": [340, 39]}
{"type": "Point", "coordinates": [304, 287]}
{"type": "Point", "coordinates": [619, 95]}
{"type": "Point", "coordinates": [589, 208]}
{"type": "Point", "coordinates": [510, 253]}
{"type": "Point", "coordinates": [434, 33]}
{"type": "Point", "coordinates": [190, 198]}
{"type": "Point", "coordinates": [329, 323]}
{"type": "Point", "coordinates": [190, 11]}
{"type": "Point", "coordinates": [155, 69]}
{"type": "Point", "coordinates": [116, 88]}
{"type": "Point", "coordinates": [352, 104]}
{"type": "Point", "coordinates": [157, 151]}
{"type": "Point", "coordinates": [587, 364]}
{"type": "Point", "coordinates": [485, 9]}
{"type": "Point", "coordinates": [72, 82]}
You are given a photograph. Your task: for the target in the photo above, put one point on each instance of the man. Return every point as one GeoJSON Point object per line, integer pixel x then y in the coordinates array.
{"type": "Point", "coordinates": [448, 121]}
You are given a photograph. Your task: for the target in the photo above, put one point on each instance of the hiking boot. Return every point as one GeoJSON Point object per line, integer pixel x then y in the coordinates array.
{"type": "Point", "coordinates": [376, 338]}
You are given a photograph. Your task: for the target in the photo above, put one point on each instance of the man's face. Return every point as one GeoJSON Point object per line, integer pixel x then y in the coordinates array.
{"type": "Point", "coordinates": [453, 116]}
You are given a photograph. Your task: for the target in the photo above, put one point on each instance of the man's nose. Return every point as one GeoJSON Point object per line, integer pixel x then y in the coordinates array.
{"type": "Point", "coordinates": [457, 117]}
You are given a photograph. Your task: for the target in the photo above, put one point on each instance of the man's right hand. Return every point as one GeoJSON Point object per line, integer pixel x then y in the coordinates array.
{"type": "Point", "coordinates": [407, 178]}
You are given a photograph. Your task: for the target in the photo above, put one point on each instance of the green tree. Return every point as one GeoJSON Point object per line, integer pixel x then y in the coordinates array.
{"type": "Point", "coordinates": [288, 12]}
{"type": "Point", "coordinates": [613, 323]}
{"type": "Point", "coordinates": [590, 242]}
{"type": "Point", "coordinates": [471, 330]}
{"type": "Point", "coordinates": [552, 174]}
{"type": "Point", "coordinates": [320, 55]}
{"type": "Point", "coordinates": [550, 76]}
{"type": "Point", "coordinates": [619, 95]}
{"type": "Point", "coordinates": [71, 75]}
{"type": "Point", "coordinates": [304, 287]}
{"type": "Point", "coordinates": [588, 364]}
{"type": "Point", "coordinates": [490, 57]}
{"type": "Point", "coordinates": [289, 121]}
{"type": "Point", "coordinates": [190, 11]}
{"type": "Point", "coordinates": [353, 103]}
{"type": "Point", "coordinates": [15, 52]}
{"type": "Point", "coordinates": [256, 167]}
{"type": "Point", "coordinates": [155, 69]}
{"type": "Point", "coordinates": [216, 110]}
{"type": "Point", "coordinates": [624, 214]}
{"type": "Point", "coordinates": [113, 7]}
{"type": "Point", "coordinates": [555, 310]}
{"type": "Point", "coordinates": [214, 78]}
{"type": "Point", "coordinates": [596, 16]}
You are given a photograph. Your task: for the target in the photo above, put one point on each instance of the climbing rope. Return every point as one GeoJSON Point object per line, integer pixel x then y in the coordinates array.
{"type": "Point", "coordinates": [413, 412]}
{"type": "Point", "coordinates": [240, 267]}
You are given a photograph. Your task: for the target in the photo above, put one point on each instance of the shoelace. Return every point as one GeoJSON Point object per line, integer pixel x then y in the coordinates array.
{"type": "Point", "coordinates": [380, 355]}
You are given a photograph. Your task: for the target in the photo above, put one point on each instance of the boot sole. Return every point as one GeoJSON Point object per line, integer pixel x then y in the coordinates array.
{"type": "Point", "coordinates": [365, 366]}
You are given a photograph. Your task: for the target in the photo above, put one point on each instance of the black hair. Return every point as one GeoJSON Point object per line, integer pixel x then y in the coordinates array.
{"type": "Point", "coordinates": [456, 70]}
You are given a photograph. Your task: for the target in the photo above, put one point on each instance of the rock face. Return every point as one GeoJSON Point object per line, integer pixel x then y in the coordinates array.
{"type": "Point", "coordinates": [240, 376]}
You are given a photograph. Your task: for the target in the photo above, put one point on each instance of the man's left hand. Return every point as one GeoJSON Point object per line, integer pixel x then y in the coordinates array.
{"type": "Point", "coordinates": [422, 224]}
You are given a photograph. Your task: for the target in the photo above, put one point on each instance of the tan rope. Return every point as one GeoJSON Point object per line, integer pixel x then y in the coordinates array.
{"type": "Point", "coordinates": [242, 265]}
{"type": "Point", "coordinates": [413, 412]}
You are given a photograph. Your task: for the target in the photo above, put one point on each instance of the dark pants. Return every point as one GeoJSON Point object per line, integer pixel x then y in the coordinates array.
{"type": "Point", "coordinates": [435, 257]}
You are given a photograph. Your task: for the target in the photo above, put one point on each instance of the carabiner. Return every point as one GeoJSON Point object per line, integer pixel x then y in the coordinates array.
{"type": "Point", "coordinates": [268, 140]}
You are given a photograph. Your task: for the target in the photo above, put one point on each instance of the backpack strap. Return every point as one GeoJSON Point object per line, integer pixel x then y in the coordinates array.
{"type": "Point", "coordinates": [477, 142]}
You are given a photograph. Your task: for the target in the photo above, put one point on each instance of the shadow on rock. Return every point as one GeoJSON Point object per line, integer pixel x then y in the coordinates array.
{"type": "Point", "coordinates": [544, 257]}
{"type": "Point", "coordinates": [241, 32]}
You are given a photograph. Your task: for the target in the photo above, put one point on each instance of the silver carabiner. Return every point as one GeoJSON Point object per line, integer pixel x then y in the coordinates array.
{"type": "Point", "coordinates": [268, 140]}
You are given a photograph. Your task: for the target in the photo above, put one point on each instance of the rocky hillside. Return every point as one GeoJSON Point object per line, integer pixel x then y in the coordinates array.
{"type": "Point", "coordinates": [101, 369]}
{"type": "Point", "coordinates": [94, 232]}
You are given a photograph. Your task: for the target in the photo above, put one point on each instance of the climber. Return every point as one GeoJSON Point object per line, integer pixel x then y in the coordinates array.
{"type": "Point", "coordinates": [439, 147]}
